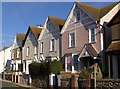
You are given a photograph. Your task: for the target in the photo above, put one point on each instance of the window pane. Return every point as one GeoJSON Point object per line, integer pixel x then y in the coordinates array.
{"type": "Point", "coordinates": [35, 50]}
{"type": "Point", "coordinates": [52, 44]}
{"type": "Point", "coordinates": [92, 34]}
{"type": "Point", "coordinates": [92, 37]}
{"type": "Point", "coordinates": [76, 62]}
{"type": "Point", "coordinates": [69, 63]}
{"type": "Point", "coordinates": [18, 53]}
{"type": "Point", "coordinates": [78, 15]}
{"type": "Point", "coordinates": [92, 31]}
{"type": "Point", "coordinates": [41, 47]}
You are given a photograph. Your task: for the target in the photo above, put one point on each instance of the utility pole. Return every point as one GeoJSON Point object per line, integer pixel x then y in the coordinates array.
{"type": "Point", "coordinates": [95, 76]}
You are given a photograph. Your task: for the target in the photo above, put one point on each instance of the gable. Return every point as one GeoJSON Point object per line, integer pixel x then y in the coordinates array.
{"type": "Point", "coordinates": [55, 30]}
{"type": "Point", "coordinates": [30, 39]}
{"type": "Point", "coordinates": [89, 50]}
{"type": "Point", "coordinates": [33, 33]}
{"type": "Point", "coordinates": [71, 22]}
{"type": "Point", "coordinates": [84, 53]}
{"type": "Point", "coordinates": [93, 12]}
{"type": "Point", "coordinates": [16, 43]}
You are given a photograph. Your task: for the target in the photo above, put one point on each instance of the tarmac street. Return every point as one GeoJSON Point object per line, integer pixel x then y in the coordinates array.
{"type": "Point", "coordinates": [10, 85]}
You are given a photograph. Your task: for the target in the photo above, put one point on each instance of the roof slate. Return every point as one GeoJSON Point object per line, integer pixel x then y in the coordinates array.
{"type": "Point", "coordinates": [92, 50]}
{"type": "Point", "coordinates": [21, 37]}
{"type": "Point", "coordinates": [58, 22]}
{"type": "Point", "coordinates": [114, 46]}
{"type": "Point", "coordinates": [97, 13]}
{"type": "Point", "coordinates": [115, 32]}
{"type": "Point", "coordinates": [36, 31]}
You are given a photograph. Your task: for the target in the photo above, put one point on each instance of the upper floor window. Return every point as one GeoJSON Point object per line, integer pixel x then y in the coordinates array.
{"type": "Point", "coordinates": [71, 39]}
{"type": "Point", "coordinates": [18, 53]}
{"type": "Point", "coordinates": [77, 15]}
{"type": "Point", "coordinates": [92, 34]}
{"type": "Point", "coordinates": [13, 54]}
{"type": "Point", "coordinates": [28, 49]}
{"type": "Point", "coordinates": [49, 25]}
{"type": "Point", "coordinates": [35, 50]}
{"type": "Point", "coordinates": [52, 45]}
{"type": "Point", "coordinates": [41, 47]}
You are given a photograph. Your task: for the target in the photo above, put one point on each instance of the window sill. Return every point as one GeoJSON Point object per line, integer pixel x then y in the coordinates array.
{"type": "Point", "coordinates": [71, 47]}
{"type": "Point", "coordinates": [41, 53]}
{"type": "Point", "coordinates": [51, 51]}
{"type": "Point", "coordinates": [76, 22]}
{"type": "Point", "coordinates": [92, 42]}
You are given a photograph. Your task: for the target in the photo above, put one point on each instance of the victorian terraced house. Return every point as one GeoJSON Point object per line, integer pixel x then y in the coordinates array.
{"type": "Point", "coordinates": [30, 47]}
{"type": "Point", "coordinates": [82, 36]}
{"type": "Point", "coordinates": [49, 42]}
{"type": "Point", "coordinates": [113, 50]}
{"type": "Point", "coordinates": [16, 52]}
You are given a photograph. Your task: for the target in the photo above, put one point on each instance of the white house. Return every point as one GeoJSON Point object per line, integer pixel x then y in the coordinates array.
{"type": "Point", "coordinates": [5, 59]}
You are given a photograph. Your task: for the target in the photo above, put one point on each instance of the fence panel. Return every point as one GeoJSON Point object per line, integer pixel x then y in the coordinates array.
{"type": "Point", "coordinates": [82, 83]}
{"type": "Point", "coordinates": [108, 84]}
{"type": "Point", "coordinates": [66, 83]}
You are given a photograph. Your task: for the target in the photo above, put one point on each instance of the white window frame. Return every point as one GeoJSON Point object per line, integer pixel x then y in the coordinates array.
{"type": "Point", "coordinates": [35, 50]}
{"type": "Point", "coordinates": [28, 49]}
{"type": "Point", "coordinates": [13, 54]}
{"type": "Point", "coordinates": [76, 15]}
{"type": "Point", "coordinates": [52, 45]}
{"type": "Point", "coordinates": [41, 47]}
{"type": "Point", "coordinates": [18, 53]}
{"type": "Point", "coordinates": [70, 39]}
{"type": "Point", "coordinates": [90, 28]}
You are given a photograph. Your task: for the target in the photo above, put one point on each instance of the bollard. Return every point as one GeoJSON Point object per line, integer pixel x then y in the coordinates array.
{"type": "Point", "coordinates": [51, 80]}
{"type": "Point", "coordinates": [30, 80]}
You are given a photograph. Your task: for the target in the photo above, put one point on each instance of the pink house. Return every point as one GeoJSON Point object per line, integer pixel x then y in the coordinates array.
{"type": "Point", "coordinates": [82, 37]}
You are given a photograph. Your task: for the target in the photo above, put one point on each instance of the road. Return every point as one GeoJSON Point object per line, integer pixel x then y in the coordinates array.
{"type": "Point", "coordinates": [11, 85]}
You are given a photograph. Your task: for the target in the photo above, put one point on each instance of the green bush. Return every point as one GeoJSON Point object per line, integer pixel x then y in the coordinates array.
{"type": "Point", "coordinates": [45, 68]}
{"type": "Point", "coordinates": [85, 72]}
{"type": "Point", "coordinates": [34, 68]}
{"type": "Point", "coordinates": [55, 66]}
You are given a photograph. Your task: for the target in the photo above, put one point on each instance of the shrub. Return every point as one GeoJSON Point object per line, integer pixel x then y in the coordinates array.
{"type": "Point", "coordinates": [55, 66]}
{"type": "Point", "coordinates": [45, 68]}
{"type": "Point", "coordinates": [85, 72]}
{"type": "Point", "coordinates": [34, 68]}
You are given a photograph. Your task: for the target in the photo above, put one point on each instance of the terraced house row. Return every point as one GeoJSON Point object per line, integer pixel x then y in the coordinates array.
{"type": "Point", "coordinates": [89, 35]}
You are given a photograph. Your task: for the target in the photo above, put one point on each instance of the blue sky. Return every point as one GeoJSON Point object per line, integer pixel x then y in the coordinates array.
{"type": "Point", "coordinates": [18, 16]}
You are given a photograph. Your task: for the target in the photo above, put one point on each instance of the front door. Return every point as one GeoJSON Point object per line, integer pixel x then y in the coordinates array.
{"type": "Point", "coordinates": [69, 63]}
{"type": "Point", "coordinates": [76, 62]}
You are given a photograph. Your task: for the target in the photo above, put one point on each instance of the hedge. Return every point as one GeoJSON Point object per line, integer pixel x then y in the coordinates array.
{"type": "Point", "coordinates": [45, 68]}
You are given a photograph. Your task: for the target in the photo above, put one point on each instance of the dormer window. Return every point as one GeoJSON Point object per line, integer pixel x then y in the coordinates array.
{"type": "Point", "coordinates": [77, 15]}
{"type": "Point", "coordinates": [49, 25]}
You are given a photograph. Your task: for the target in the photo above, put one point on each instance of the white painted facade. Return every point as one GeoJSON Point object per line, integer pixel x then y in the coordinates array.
{"type": "Point", "coordinates": [5, 59]}
{"type": "Point", "coordinates": [16, 44]}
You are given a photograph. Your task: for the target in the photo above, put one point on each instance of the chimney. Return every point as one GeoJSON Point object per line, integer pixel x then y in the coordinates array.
{"type": "Point", "coordinates": [39, 26]}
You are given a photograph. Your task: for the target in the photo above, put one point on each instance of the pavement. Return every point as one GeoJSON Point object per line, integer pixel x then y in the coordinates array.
{"type": "Point", "coordinates": [12, 85]}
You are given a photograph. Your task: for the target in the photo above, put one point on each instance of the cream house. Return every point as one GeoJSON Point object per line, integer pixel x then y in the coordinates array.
{"type": "Point", "coordinates": [16, 52]}
{"type": "Point", "coordinates": [30, 47]}
{"type": "Point", "coordinates": [49, 42]}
